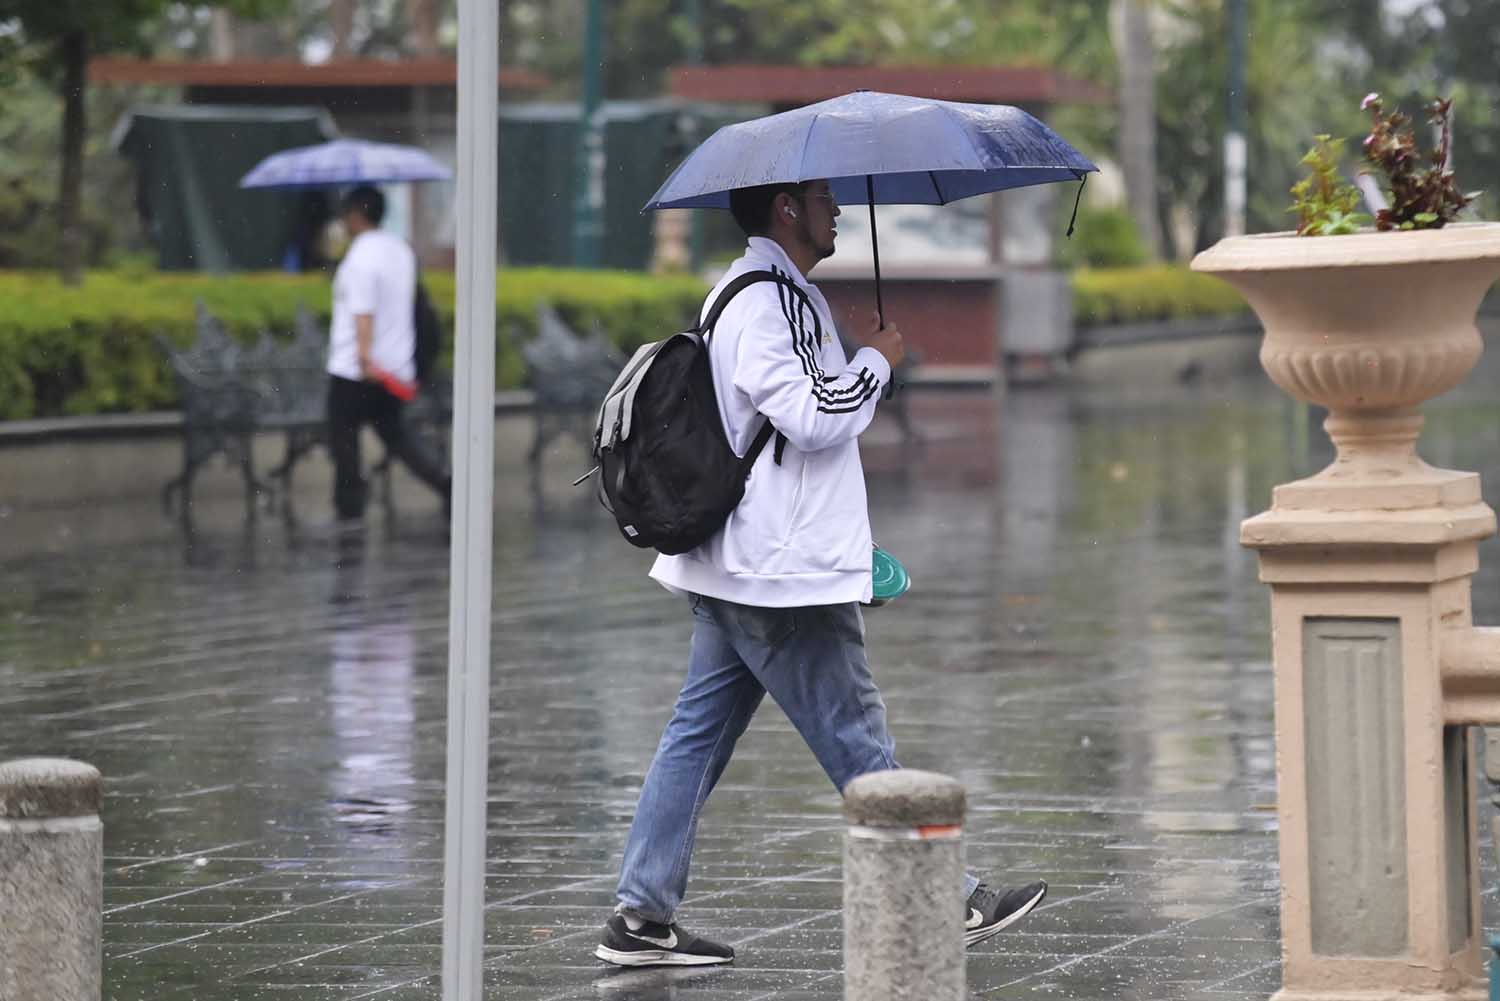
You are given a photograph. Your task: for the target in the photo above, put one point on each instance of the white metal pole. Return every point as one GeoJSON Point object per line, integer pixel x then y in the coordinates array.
{"type": "Point", "coordinates": [1234, 183]}
{"type": "Point", "coordinates": [473, 488]}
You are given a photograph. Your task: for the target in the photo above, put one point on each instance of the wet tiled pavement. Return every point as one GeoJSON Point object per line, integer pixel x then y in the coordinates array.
{"type": "Point", "coordinates": [1085, 648]}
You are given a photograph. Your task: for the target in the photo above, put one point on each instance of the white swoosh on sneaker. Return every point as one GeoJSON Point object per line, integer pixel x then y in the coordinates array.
{"type": "Point", "coordinates": [975, 919]}
{"type": "Point", "coordinates": [670, 942]}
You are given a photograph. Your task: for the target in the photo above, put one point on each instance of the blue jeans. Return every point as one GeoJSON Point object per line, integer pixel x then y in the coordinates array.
{"type": "Point", "coordinates": [812, 661]}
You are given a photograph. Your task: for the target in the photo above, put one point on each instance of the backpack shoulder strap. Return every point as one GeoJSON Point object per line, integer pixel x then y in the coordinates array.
{"type": "Point", "coordinates": [737, 286]}
{"type": "Point", "coordinates": [758, 446]}
{"type": "Point", "coordinates": [734, 288]}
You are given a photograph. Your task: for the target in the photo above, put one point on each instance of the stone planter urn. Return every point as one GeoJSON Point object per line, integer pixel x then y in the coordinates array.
{"type": "Point", "coordinates": [1369, 563]}
{"type": "Point", "coordinates": [1368, 326]}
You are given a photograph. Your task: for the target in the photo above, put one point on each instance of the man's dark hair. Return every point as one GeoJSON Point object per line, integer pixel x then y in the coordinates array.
{"type": "Point", "coordinates": [368, 202]}
{"type": "Point", "coordinates": [751, 207]}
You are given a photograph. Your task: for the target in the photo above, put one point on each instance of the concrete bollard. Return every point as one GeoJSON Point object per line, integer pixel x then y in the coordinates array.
{"type": "Point", "coordinates": [903, 881]}
{"type": "Point", "coordinates": [51, 880]}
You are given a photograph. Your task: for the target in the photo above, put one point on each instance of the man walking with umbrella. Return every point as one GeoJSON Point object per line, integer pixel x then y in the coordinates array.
{"type": "Point", "coordinates": [371, 354]}
{"type": "Point", "coordinates": [775, 594]}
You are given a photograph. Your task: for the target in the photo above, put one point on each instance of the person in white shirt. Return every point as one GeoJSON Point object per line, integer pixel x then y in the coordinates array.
{"type": "Point", "coordinates": [775, 594]}
{"type": "Point", "coordinates": [372, 344]}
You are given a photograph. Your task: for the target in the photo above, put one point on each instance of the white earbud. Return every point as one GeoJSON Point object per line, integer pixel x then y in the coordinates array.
{"type": "Point", "coordinates": [791, 212]}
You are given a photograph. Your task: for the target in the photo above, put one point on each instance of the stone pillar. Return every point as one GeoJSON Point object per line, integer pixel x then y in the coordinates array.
{"type": "Point", "coordinates": [1369, 564]}
{"type": "Point", "coordinates": [1376, 790]}
{"type": "Point", "coordinates": [903, 885]}
{"type": "Point", "coordinates": [51, 881]}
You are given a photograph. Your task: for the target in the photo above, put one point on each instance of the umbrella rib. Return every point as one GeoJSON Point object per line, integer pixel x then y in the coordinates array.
{"type": "Point", "coordinates": [936, 189]}
{"type": "Point", "coordinates": [806, 142]}
{"type": "Point", "coordinates": [969, 138]}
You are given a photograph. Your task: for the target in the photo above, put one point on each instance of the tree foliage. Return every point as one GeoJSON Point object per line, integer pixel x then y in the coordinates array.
{"type": "Point", "coordinates": [1308, 62]}
{"type": "Point", "coordinates": [29, 140]}
{"type": "Point", "coordinates": [648, 36]}
{"type": "Point", "coordinates": [55, 39]}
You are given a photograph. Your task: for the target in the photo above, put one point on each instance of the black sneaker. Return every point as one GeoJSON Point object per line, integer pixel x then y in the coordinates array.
{"type": "Point", "coordinates": [988, 912]}
{"type": "Point", "coordinates": [657, 945]}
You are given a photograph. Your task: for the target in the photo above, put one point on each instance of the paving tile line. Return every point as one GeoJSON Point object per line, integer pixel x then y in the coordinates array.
{"type": "Point", "coordinates": [94, 733]}
{"type": "Point", "coordinates": [1243, 974]}
{"type": "Point", "coordinates": [815, 916]}
{"type": "Point", "coordinates": [772, 995]}
{"type": "Point", "coordinates": [788, 927]}
{"type": "Point", "coordinates": [242, 647]}
{"type": "Point", "coordinates": [1117, 676]}
{"type": "Point", "coordinates": [591, 933]}
{"type": "Point", "coordinates": [173, 896]}
{"type": "Point", "coordinates": [374, 939]}
{"type": "Point", "coordinates": [182, 856]}
{"type": "Point", "coordinates": [427, 977]}
{"type": "Point", "coordinates": [255, 921]}
{"type": "Point", "coordinates": [156, 701]}
{"type": "Point", "coordinates": [139, 644]}
{"type": "Point", "coordinates": [1121, 945]}
{"type": "Point", "coordinates": [829, 977]}
{"type": "Point", "coordinates": [817, 981]}
{"type": "Point", "coordinates": [230, 645]}
{"type": "Point", "coordinates": [781, 839]}
{"type": "Point", "coordinates": [219, 661]}
{"type": "Point", "coordinates": [434, 979]}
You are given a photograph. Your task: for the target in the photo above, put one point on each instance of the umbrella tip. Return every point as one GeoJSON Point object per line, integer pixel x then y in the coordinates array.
{"type": "Point", "coordinates": [1076, 199]}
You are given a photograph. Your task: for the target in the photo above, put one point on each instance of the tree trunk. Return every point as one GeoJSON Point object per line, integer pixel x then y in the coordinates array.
{"type": "Point", "coordinates": [1137, 126]}
{"type": "Point", "coordinates": [74, 48]}
{"type": "Point", "coordinates": [341, 20]}
{"type": "Point", "coordinates": [423, 18]}
{"type": "Point", "coordinates": [221, 36]}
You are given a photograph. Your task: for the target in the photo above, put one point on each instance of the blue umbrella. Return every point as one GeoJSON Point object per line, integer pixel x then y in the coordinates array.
{"type": "Point", "coordinates": [878, 148]}
{"type": "Point", "coordinates": [345, 161]}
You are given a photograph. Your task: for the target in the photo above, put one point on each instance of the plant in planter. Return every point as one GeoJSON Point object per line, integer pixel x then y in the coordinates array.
{"type": "Point", "coordinates": [1424, 193]}
{"type": "Point", "coordinates": [1325, 203]}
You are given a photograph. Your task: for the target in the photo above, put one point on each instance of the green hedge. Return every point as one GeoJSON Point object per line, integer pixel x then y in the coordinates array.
{"type": "Point", "coordinates": [90, 349]}
{"type": "Point", "coordinates": [1152, 292]}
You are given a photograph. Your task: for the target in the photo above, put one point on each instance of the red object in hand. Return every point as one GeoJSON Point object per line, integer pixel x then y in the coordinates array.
{"type": "Point", "coordinates": [397, 387]}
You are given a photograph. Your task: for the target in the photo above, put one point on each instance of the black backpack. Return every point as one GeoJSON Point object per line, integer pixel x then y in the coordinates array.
{"type": "Point", "coordinates": [667, 472]}
{"type": "Point", "coordinates": [429, 328]}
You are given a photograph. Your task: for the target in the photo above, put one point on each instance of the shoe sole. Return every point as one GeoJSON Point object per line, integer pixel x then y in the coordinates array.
{"type": "Point", "coordinates": [976, 935]}
{"type": "Point", "coordinates": [656, 957]}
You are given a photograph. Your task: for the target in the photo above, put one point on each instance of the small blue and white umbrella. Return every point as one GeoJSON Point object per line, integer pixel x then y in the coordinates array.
{"type": "Point", "coordinates": [345, 161]}
{"type": "Point", "coordinates": [875, 148]}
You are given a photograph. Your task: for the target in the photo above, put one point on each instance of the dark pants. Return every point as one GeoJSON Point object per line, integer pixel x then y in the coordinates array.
{"type": "Point", "coordinates": [352, 405]}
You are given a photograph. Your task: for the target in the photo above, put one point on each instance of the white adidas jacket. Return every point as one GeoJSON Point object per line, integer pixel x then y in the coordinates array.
{"type": "Point", "coordinates": [801, 536]}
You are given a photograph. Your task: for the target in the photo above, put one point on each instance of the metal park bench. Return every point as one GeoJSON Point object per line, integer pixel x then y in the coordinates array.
{"type": "Point", "coordinates": [569, 376]}
{"type": "Point", "coordinates": [230, 391]}
{"type": "Point", "coordinates": [219, 407]}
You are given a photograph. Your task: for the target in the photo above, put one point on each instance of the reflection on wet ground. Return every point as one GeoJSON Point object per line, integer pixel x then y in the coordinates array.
{"type": "Point", "coordinates": [1085, 648]}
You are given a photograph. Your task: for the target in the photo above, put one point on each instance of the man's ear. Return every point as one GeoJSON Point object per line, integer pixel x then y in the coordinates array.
{"type": "Point", "coordinates": [783, 206]}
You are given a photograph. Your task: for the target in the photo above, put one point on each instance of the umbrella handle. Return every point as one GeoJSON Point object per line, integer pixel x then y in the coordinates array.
{"type": "Point", "coordinates": [875, 247]}
{"type": "Point", "coordinates": [890, 390]}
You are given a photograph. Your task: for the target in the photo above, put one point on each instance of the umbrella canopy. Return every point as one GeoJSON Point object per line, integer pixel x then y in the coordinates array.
{"type": "Point", "coordinates": [886, 149]}
{"type": "Point", "coordinates": [345, 161]}
{"type": "Point", "coordinates": [878, 149]}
